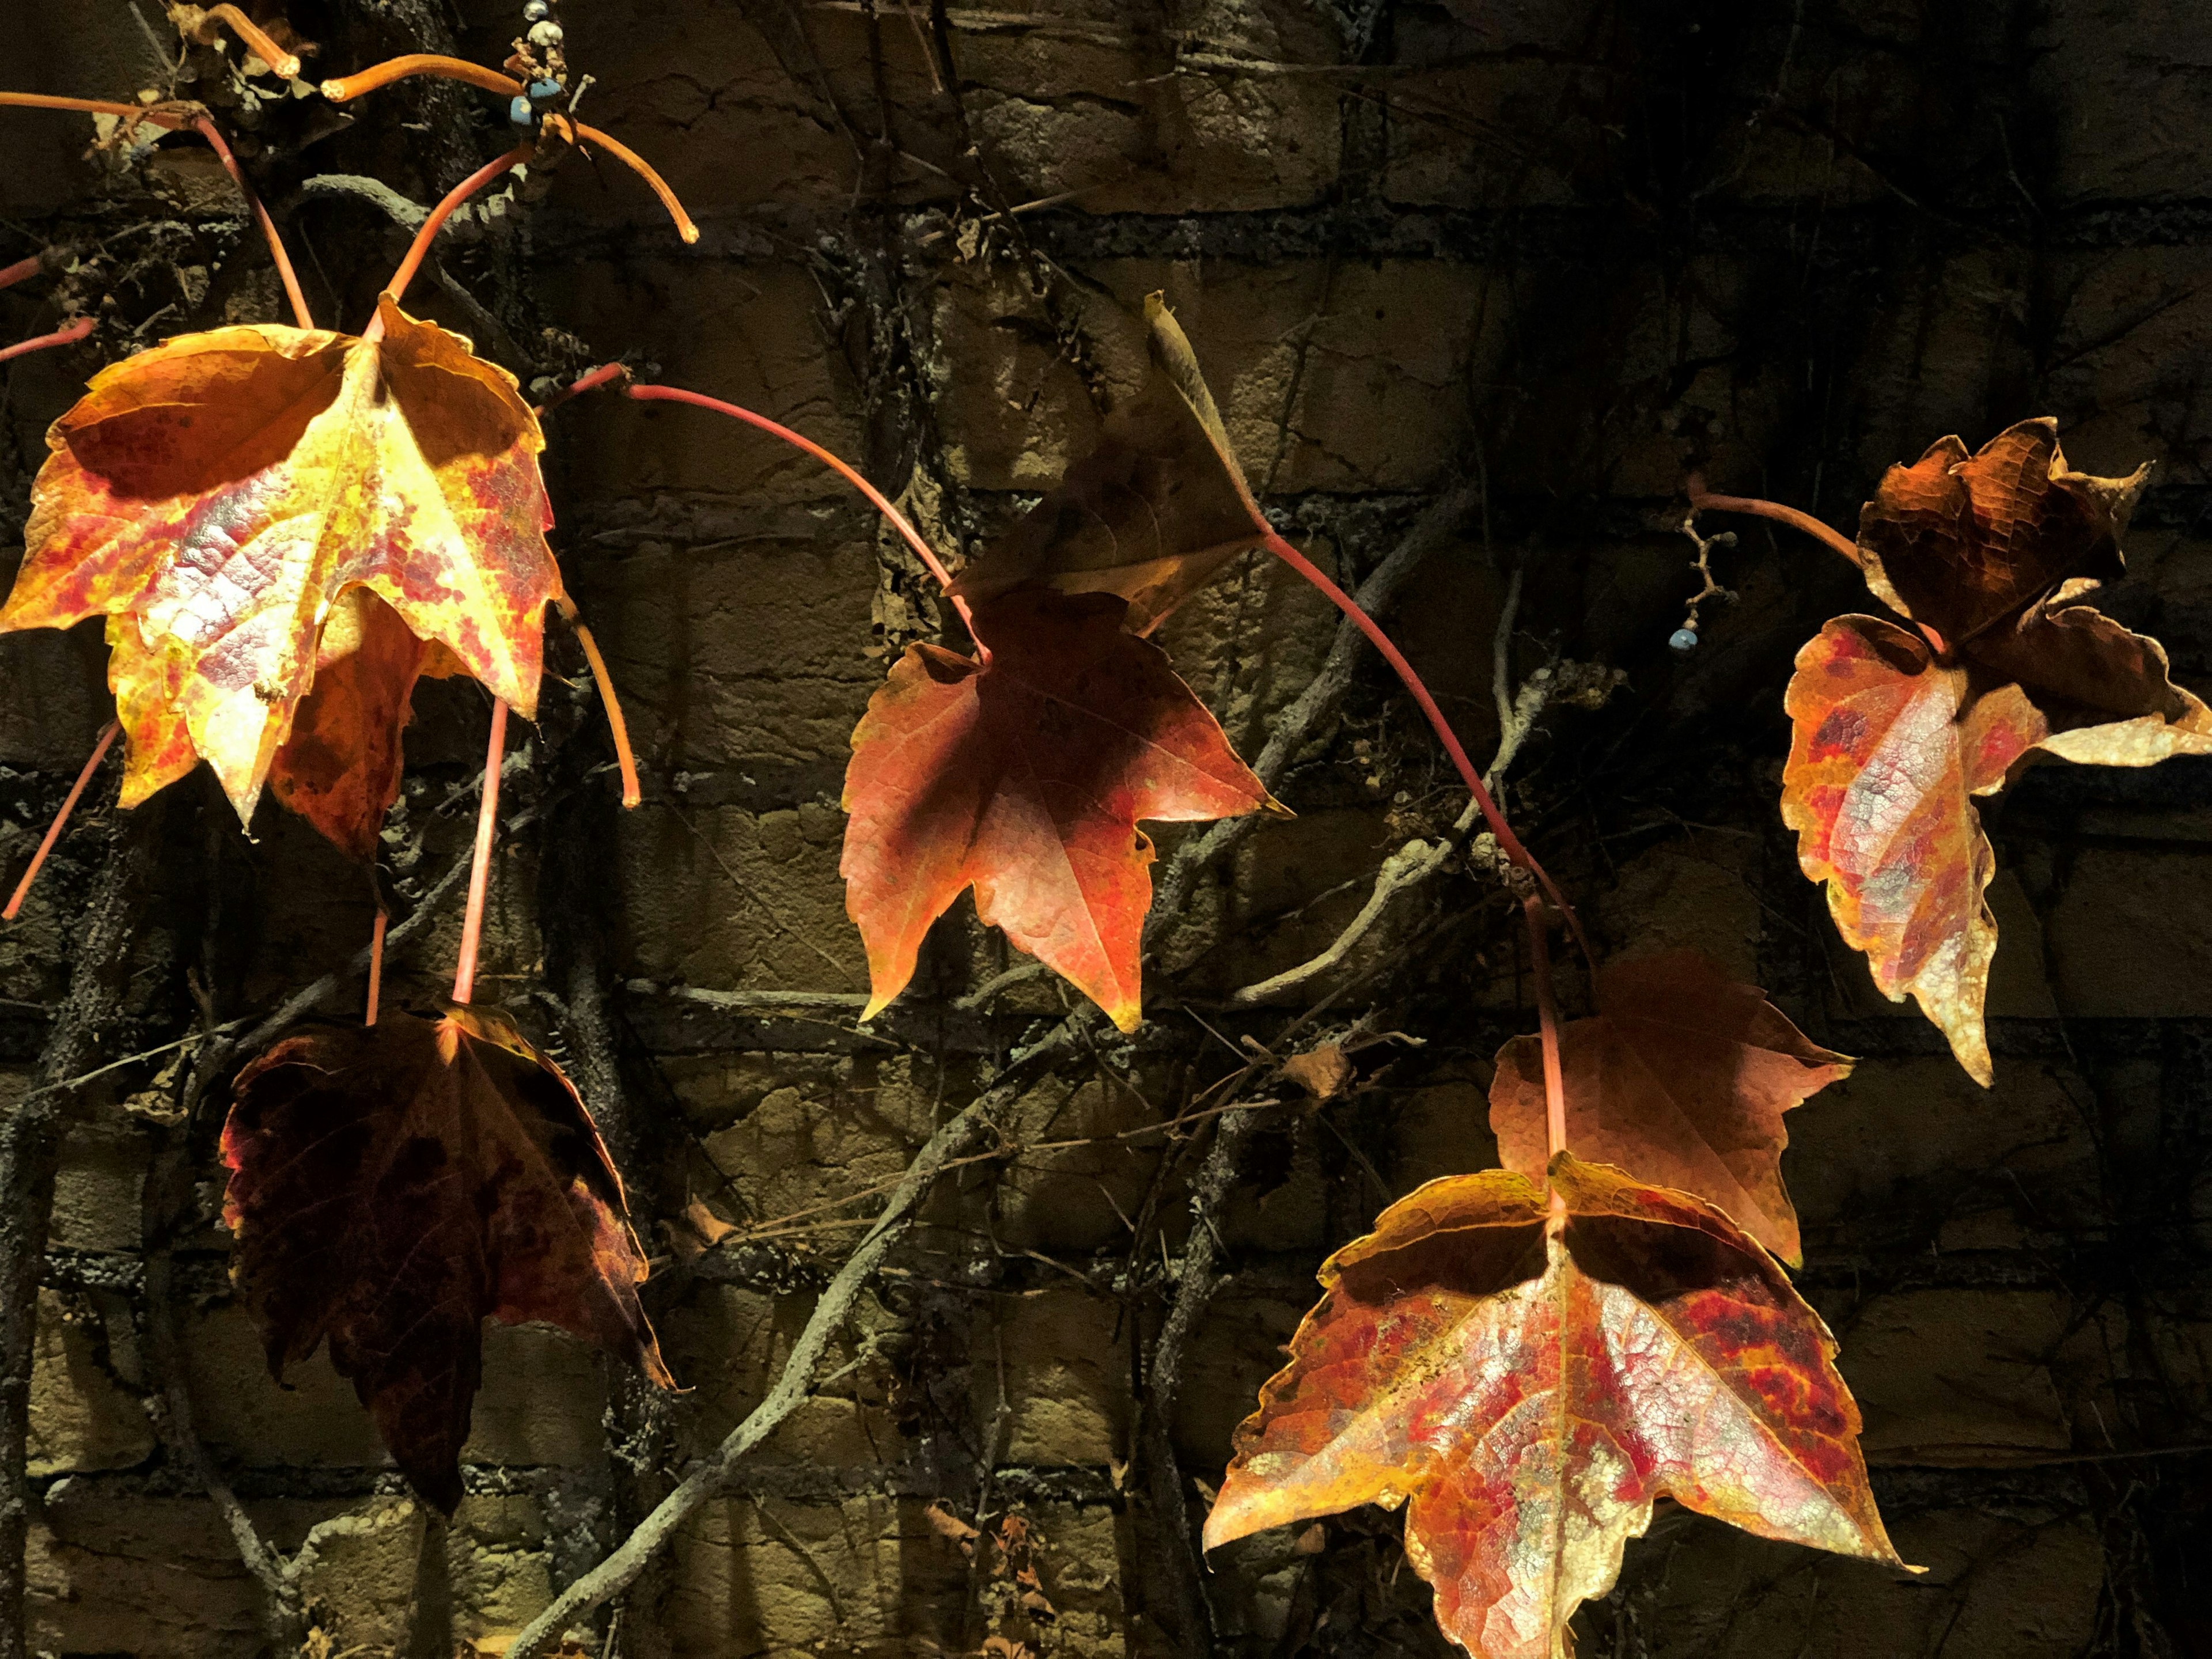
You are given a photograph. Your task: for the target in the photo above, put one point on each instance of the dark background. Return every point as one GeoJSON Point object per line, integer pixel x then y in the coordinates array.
{"type": "Point", "coordinates": [1560, 252]}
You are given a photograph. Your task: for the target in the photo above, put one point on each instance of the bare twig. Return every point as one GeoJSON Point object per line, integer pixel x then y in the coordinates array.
{"type": "Point", "coordinates": [1418, 860]}
{"type": "Point", "coordinates": [796, 1382]}
{"type": "Point", "coordinates": [30, 1144]}
{"type": "Point", "coordinates": [1313, 706]}
{"type": "Point", "coordinates": [1185, 1602]}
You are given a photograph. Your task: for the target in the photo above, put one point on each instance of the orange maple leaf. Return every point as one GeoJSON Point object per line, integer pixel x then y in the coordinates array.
{"type": "Point", "coordinates": [1896, 731]}
{"type": "Point", "coordinates": [1025, 776]}
{"type": "Point", "coordinates": [1533, 1383]}
{"type": "Point", "coordinates": [1681, 1077]}
{"type": "Point", "coordinates": [392, 1185]}
{"type": "Point", "coordinates": [222, 498]}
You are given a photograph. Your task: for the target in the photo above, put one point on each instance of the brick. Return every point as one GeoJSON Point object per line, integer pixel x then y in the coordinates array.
{"type": "Point", "coordinates": [1902, 1143]}
{"type": "Point", "coordinates": [1949, 1377]}
{"type": "Point", "coordinates": [81, 1418]}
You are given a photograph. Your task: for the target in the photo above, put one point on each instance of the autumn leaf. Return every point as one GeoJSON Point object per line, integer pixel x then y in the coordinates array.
{"type": "Point", "coordinates": [340, 768]}
{"type": "Point", "coordinates": [392, 1185]}
{"type": "Point", "coordinates": [1152, 513]}
{"type": "Point", "coordinates": [1025, 777]}
{"type": "Point", "coordinates": [1681, 1077]}
{"type": "Point", "coordinates": [220, 496]}
{"type": "Point", "coordinates": [1533, 1388]}
{"type": "Point", "coordinates": [1896, 731]}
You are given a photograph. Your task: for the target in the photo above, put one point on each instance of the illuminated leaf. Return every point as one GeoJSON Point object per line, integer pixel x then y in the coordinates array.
{"type": "Point", "coordinates": [339, 768]}
{"type": "Point", "coordinates": [1152, 513]}
{"type": "Point", "coordinates": [1682, 1079]}
{"type": "Point", "coordinates": [1025, 778]}
{"type": "Point", "coordinates": [218, 496]}
{"type": "Point", "coordinates": [1896, 731]}
{"type": "Point", "coordinates": [1530, 1389]}
{"type": "Point", "coordinates": [393, 1185]}
{"type": "Point", "coordinates": [1962, 542]}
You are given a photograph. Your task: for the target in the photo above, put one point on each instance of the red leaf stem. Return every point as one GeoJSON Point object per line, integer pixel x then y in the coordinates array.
{"type": "Point", "coordinates": [419, 249]}
{"type": "Point", "coordinates": [67, 334]}
{"type": "Point", "coordinates": [206, 129]}
{"type": "Point", "coordinates": [21, 271]}
{"type": "Point", "coordinates": [465, 971]}
{"type": "Point", "coordinates": [174, 120]}
{"type": "Point", "coordinates": [54, 830]}
{"type": "Point", "coordinates": [605, 375]}
{"type": "Point", "coordinates": [882, 504]}
{"type": "Point", "coordinates": [1751, 505]}
{"type": "Point", "coordinates": [1507, 842]}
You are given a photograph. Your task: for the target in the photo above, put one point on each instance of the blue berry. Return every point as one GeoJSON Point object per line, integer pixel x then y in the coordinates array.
{"type": "Point", "coordinates": [536, 12]}
{"type": "Point", "coordinates": [541, 91]}
{"type": "Point", "coordinates": [1683, 639]}
{"type": "Point", "coordinates": [519, 111]}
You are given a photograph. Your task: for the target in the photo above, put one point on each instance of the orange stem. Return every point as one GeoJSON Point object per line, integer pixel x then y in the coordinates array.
{"type": "Point", "coordinates": [898, 520]}
{"type": "Point", "coordinates": [206, 129]}
{"type": "Point", "coordinates": [1547, 1022]}
{"type": "Point", "coordinates": [375, 965]}
{"type": "Point", "coordinates": [172, 120]}
{"type": "Point", "coordinates": [54, 830]}
{"type": "Point", "coordinates": [458, 69]}
{"type": "Point", "coordinates": [67, 334]}
{"type": "Point", "coordinates": [21, 271]}
{"type": "Point", "coordinates": [637, 164]}
{"type": "Point", "coordinates": [419, 63]}
{"type": "Point", "coordinates": [1757, 508]}
{"type": "Point", "coordinates": [605, 375]}
{"type": "Point", "coordinates": [431, 226]}
{"type": "Point", "coordinates": [605, 681]}
{"type": "Point", "coordinates": [1507, 842]}
{"type": "Point", "coordinates": [283, 61]}
{"type": "Point", "coordinates": [465, 972]}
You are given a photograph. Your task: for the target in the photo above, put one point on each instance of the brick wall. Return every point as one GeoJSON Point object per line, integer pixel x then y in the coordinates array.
{"type": "Point", "coordinates": [1569, 248]}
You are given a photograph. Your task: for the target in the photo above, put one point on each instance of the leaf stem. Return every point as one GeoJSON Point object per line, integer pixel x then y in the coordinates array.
{"type": "Point", "coordinates": [420, 248]}
{"type": "Point", "coordinates": [206, 129]}
{"type": "Point", "coordinates": [615, 724]}
{"type": "Point", "coordinates": [54, 830]}
{"type": "Point", "coordinates": [604, 375]}
{"type": "Point", "coordinates": [1701, 502]}
{"type": "Point", "coordinates": [172, 120]}
{"type": "Point", "coordinates": [465, 971]}
{"type": "Point", "coordinates": [280, 61]}
{"type": "Point", "coordinates": [418, 63]}
{"type": "Point", "coordinates": [375, 965]}
{"type": "Point", "coordinates": [459, 68]}
{"type": "Point", "coordinates": [1547, 1022]}
{"type": "Point", "coordinates": [1507, 842]}
{"type": "Point", "coordinates": [637, 164]}
{"type": "Point", "coordinates": [21, 271]}
{"type": "Point", "coordinates": [67, 334]}
{"type": "Point", "coordinates": [883, 505]}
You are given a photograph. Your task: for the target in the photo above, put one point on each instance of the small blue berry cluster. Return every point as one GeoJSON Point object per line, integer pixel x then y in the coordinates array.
{"type": "Point", "coordinates": [544, 35]}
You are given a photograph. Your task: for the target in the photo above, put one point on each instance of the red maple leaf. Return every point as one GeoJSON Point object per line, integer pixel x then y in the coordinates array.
{"type": "Point", "coordinates": [1897, 731]}
{"type": "Point", "coordinates": [1533, 1380]}
{"type": "Point", "coordinates": [392, 1185]}
{"type": "Point", "coordinates": [223, 497]}
{"type": "Point", "coordinates": [1025, 777]}
{"type": "Point", "coordinates": [1681, 1077]}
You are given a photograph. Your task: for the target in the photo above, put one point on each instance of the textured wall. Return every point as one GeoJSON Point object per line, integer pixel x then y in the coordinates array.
{"type": "Point", "coordinates": [1570, 247]}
